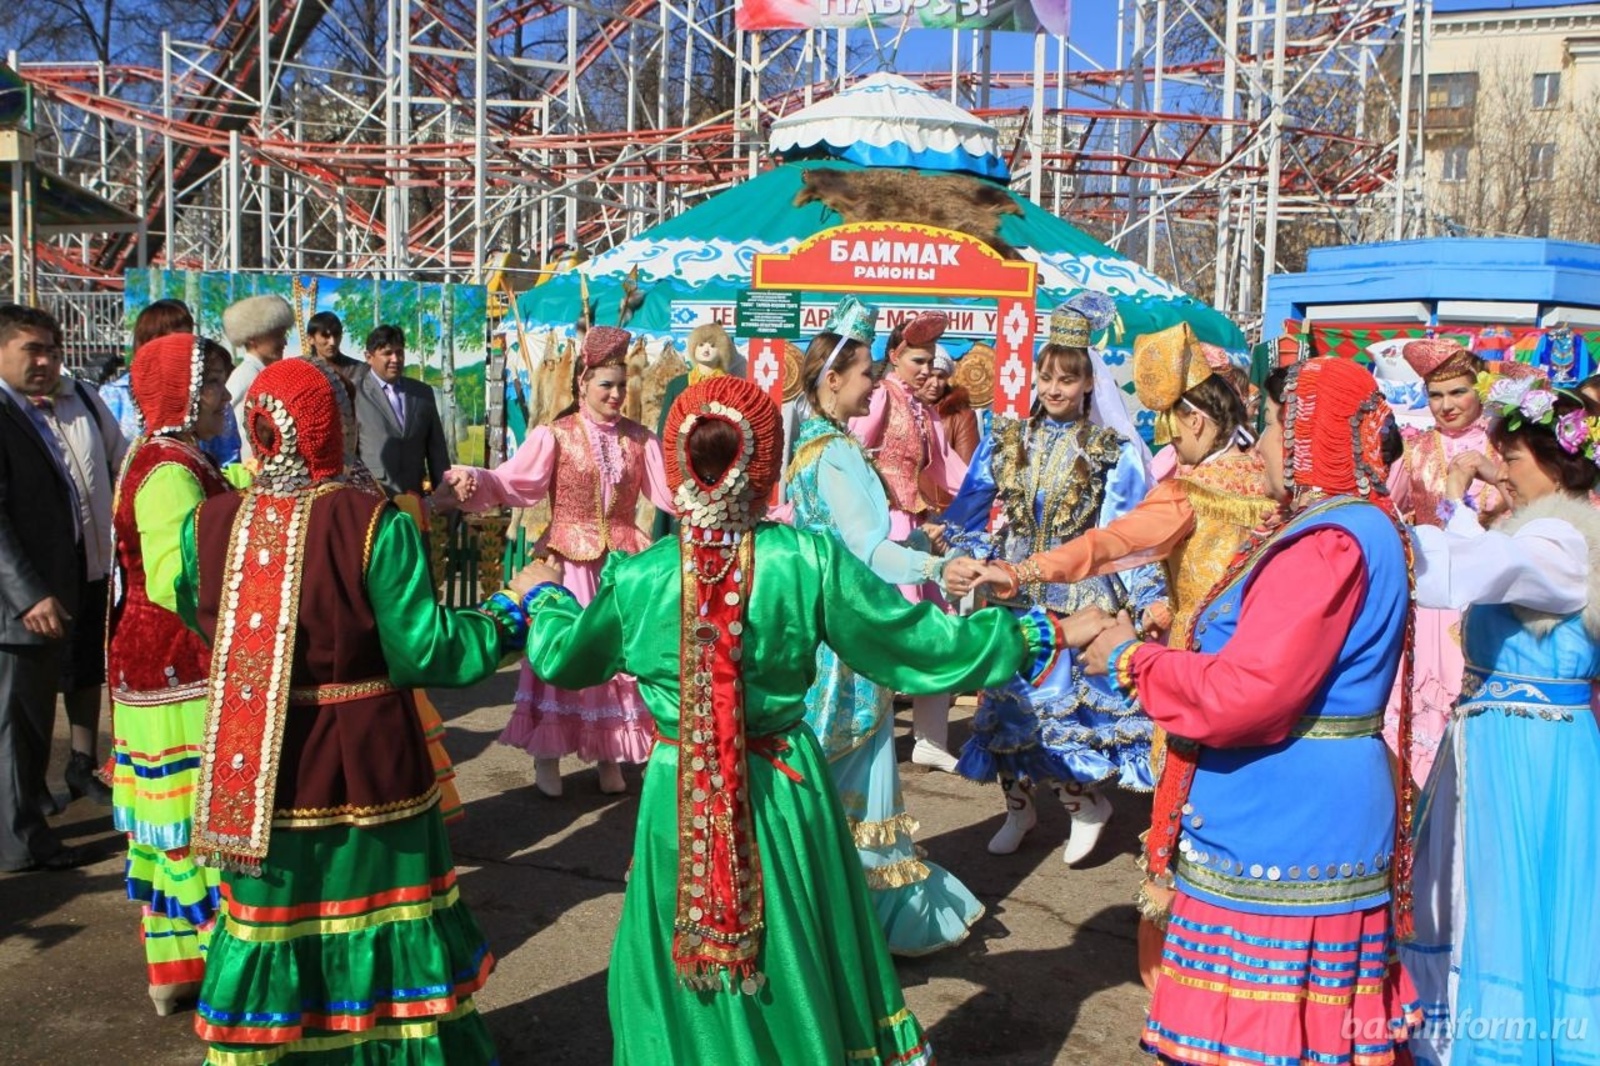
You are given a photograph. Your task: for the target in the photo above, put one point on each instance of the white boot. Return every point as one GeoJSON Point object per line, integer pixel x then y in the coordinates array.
{"type": "Point", "coordinates": [547, 777]}
{"type": "Point", "coordinates": [1020, 817]}
{"type": "Point", "coordinates": [611, 779]}
{"type": "Point", "coordinates": [1090, 812]}
{"type": "Point", "coordinates": [930, 724]}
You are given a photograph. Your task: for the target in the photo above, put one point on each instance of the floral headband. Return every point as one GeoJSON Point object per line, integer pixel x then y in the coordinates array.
{"type": "Point", "coordinates": [1525, 401]}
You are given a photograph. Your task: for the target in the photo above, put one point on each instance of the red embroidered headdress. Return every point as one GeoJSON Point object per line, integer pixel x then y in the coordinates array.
{"type": "Point", "coordinates": [292, 417]}
{"type": "Point", "coordinates": [1437, 358]}
{"type": "Point", "coordinates": [166, 380]}
{"type": "Point", "coordinates": [924, 331]}
{"type": "Point", "coordinates": [717, 928]}
{"type": "Point", "coordinates": [605, 346]}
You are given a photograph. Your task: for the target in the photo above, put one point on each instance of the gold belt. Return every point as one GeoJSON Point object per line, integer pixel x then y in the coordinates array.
{"type": "Point", "coordinates": [344, 692]}
{"type": "Point", "coordinates": [1339, 727]}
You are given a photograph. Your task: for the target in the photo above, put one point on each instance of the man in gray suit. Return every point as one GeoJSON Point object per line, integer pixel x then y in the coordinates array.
{"type": "Point", "coordinates": [402, 438]}
{"type": "Point", "coordinates": [41, 567]}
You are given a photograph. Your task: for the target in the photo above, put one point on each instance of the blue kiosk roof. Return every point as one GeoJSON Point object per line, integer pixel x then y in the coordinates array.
{"type": "Point", "coordinates": [1442, 280]}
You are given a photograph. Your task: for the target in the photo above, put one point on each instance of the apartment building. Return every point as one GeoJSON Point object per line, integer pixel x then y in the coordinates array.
{"type": "Point", "coordinates": [1508, 101]}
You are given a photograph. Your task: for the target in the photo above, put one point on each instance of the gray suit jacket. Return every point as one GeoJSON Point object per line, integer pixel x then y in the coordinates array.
{"type": "Point", "coordinates": [38, 547]}
{"type": "Point", "coordinates": [401, 457]}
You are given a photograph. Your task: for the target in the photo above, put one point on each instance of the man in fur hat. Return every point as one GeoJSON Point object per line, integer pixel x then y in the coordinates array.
{"type": "Point", "coordinates": [258, 328]}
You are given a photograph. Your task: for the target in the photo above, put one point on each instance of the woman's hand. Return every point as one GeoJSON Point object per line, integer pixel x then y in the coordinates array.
{"type": "Point", "coordinates": [962, 575]}
{"type": "Point", "coordinates": [459, 482]}
{"type": "Point", "coordinates": [1156, 621]}
{"type": "Point", "coordinates": [935, 535]}
{"type": "Point", "coordinates": [1464, 470]}
{"type": "Point", "coordinates": [1096, 657]}
{"type": "Point", "coordinates": [1079, 629]}
{"type": "Point", "coordinates": [539, 572]}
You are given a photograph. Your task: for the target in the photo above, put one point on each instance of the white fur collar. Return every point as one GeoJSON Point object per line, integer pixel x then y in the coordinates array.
{"type": "Point", "coordinates": [1585, 518]}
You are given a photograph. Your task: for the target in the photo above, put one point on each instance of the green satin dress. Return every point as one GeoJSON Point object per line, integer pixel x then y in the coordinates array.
{"type": "Point", "coordinates": [831, 994]}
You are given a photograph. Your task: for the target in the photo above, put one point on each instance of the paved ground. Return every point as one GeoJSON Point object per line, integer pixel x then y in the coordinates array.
{"type": "Point", "coordinates": [1048, 976]}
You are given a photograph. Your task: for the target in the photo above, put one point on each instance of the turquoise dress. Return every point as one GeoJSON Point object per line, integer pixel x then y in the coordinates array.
{"type": "Point", "coordinates": [921, 906]}
{"type": "Point", "coordinates": [1056, 480]}
{"type": "Point", "coordinates": [1508, 838]}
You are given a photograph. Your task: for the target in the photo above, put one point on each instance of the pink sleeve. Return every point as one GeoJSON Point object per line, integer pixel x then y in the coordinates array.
{"type": "Point", "coordinates": [1400, 482]}
{"type": "Point", "coordinates": [1292, 624]}
{"type": "Point", "coordinates": [868, 428]}
{"type": "Point", "coordinates": [522, 480]}
{"type": "Point", "coordinates": [655, 475]}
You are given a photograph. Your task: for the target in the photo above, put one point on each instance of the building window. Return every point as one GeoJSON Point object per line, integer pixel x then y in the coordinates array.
{"type": "Point", "coordinates": [1541, 162]}
{"type": "Point", "coordinates": [1546, 90]}
{"type": "Point", "coordinates": [1452, 90]}
{"type": "Point", "coordinates": [1455, 163]}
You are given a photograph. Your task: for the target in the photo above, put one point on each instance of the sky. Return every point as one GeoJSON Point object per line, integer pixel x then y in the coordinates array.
{"type": "Point", "coordinates": [1094, 31]}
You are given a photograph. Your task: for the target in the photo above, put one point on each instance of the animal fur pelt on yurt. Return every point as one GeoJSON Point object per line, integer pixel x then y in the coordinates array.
{"type": "Point", "coordinates": [949, 201]}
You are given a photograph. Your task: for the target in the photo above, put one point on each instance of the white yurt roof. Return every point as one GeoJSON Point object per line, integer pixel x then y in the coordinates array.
{"type": "Point", "coordinates": [888, 120]}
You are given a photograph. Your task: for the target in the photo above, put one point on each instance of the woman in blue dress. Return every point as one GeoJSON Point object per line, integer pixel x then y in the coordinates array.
{"type": "Point", "coordinates": [1505, 955]}
{"type": "Point", "coordinates": [1063, 471]}
{"type": "Point", "coordinates": [836, 490]}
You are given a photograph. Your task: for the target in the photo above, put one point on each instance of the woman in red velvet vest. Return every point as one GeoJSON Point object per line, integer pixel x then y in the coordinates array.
{"type": "Point", "coordinates": [591, 463]}
{"type": "Point", "coordinates": [156, 668]}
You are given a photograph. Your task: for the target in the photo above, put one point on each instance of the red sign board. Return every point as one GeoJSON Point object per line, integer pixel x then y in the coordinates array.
{"type": "Point", "coordinates": [900, 259]}
{"type": "Point", "coordinates": [896, 257]}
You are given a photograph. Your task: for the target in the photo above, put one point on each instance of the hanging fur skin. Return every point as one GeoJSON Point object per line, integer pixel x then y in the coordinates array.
{"type": "Point", "coordinates": [949, 201]}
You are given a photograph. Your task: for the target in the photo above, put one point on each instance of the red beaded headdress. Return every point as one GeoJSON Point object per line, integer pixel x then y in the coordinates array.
{"type": "Point", "coordinates": [924, 330]}
{"type": "Point", "coordinates": [291, 416]}
{"type": "Point", "coordinates": [1333, 430]}
{"type": "Point", "coordinates": [720, 909]}
{"type": "Point", "coordinates": [166, 380]}
{"type": "Point", "coordinates": [605, 346]}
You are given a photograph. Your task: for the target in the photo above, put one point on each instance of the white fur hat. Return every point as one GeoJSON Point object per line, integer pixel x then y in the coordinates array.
{"type": "Point", "coordinates": [942, 360]}
{"type": "Point", "coordinates": [255, 317]}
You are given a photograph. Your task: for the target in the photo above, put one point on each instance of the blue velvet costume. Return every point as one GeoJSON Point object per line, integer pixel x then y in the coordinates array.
{"type": "Point", "coordinates": [1056, 480]}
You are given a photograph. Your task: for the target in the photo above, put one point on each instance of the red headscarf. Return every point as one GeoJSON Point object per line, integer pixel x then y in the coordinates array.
{"type": "Point", "coordinates": [166, 380]}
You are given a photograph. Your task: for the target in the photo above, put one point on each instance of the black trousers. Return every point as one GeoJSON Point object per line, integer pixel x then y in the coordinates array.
{"type": "Point", "coordinates": [29, 675]}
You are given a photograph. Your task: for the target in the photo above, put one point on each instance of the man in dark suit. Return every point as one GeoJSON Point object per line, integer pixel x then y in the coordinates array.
{"type": "Point", "coordinates": [402, 439]}
{"type": "Point", "coordinates": [41, 566]}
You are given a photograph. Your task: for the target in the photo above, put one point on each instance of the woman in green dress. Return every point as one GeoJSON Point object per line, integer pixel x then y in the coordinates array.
{"type": "Point", "coordinates": [343, 936]}
{"type": "Point", "coordinates": [747, 933]}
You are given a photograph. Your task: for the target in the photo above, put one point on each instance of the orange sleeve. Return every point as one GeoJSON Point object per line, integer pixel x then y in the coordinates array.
{"type": "Point", "coordinates": [1146, 534]}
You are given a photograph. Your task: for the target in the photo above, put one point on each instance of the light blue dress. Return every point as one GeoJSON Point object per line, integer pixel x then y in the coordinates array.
{"type": "Point", "coordinates": [1506, 957]}
{"type": "Point", "coordinates": [921, 906]}
{"type": "Point", "coordinates": [1055, 480]}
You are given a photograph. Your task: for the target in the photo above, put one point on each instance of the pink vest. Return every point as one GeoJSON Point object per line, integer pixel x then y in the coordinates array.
{"type": "Point", "coordinates": [904, 451]}
{"type": "Point", "coordinates": [580, 528]}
